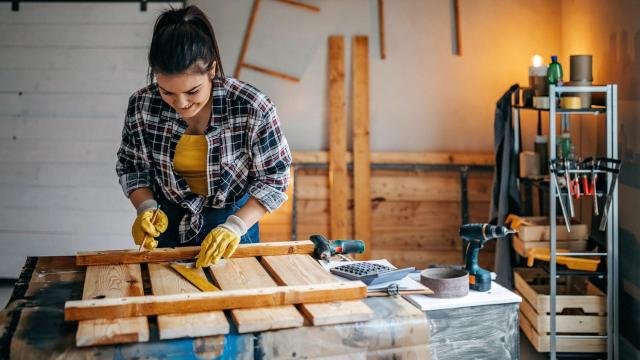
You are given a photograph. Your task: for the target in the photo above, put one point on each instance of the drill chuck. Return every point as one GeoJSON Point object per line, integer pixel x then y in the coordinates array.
{"type": "Point", "coordinates": [484, 231]}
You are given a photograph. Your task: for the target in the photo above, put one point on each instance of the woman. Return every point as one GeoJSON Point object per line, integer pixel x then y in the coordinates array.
{"type": "Point", "coordinates": [202, 157]}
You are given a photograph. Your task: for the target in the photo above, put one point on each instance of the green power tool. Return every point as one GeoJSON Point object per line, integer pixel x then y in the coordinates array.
{"type": "Point", "coordinates": [324, 248]}
{"type": "Point", "coordinates": [476, 236]}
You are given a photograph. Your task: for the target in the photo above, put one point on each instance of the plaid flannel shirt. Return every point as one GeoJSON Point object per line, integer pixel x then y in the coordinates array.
{"type": "Point", "coordinates": [247, 151]}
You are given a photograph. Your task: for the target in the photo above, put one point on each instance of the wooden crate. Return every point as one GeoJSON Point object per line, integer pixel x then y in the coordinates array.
{"type": "Point", "coordinates": [580, 309]}
{"type": "Point", "coordinates": [522, 247]}
{"type": "Point", "coordinates": [536, 228]}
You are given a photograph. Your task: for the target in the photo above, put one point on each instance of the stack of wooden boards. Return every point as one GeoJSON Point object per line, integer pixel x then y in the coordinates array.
{"type": "Point", "coordinates": [263, 287]}
{"type": "Point", "coordinates": [534, 232]}
{"type": "Point", "coordinates": [580, 307]}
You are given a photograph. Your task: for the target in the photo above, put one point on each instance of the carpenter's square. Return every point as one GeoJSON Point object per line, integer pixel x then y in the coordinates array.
{"type": "Point", "coordinates": [193, 275]}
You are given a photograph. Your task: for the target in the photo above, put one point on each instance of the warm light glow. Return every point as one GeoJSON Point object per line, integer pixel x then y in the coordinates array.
{"type": "Point", "coordinates": [536, 60]}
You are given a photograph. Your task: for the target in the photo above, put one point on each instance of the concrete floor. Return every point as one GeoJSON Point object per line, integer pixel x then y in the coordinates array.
{"type": "Point", "coordinates": [527, 352]}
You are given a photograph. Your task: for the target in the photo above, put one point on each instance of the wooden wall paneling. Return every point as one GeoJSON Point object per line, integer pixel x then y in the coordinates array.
{"type": "Point", "coordinates": [276, 226]}
{"type": "Point", "coordinates": [361, 150]}
{"type": "Point", "coordinates": [303, 269]}
{"type": "Point", "coordinates": [338, 184]}
{"type": "Point", "coordinates": [112, 281]}
{"type": "Point", "coordinates": [165, 281]}
{"type": "Point", "coordinates": [247, 273]}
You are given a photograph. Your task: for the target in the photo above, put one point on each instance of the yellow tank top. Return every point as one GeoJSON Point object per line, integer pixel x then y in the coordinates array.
{"type": "Point", "coordinates": [190, 161]}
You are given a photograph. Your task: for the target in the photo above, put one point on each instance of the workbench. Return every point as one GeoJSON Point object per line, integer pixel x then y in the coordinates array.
{"type": "Point", "coordinates": [32, 326]}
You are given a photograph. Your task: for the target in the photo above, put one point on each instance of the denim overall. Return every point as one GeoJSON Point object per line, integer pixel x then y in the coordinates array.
{"type": "Point", "coordinates": [212, 218]}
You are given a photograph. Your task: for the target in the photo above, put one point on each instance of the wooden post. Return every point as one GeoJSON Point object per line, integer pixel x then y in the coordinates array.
{"type": "Point", "coordinates": [361, 151]}
{"type": "Point", "coordinates": [247, 36]}
{"type": "Point", "coordinates": [338, 184]}
{"type": "Point", "coordinates": [383, 50]}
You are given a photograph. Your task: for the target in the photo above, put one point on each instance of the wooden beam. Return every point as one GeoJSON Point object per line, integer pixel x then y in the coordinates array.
{"type": "Point", "coordinates": [409, 158]}
{"type": "Point", "coordinates": [165, 281]}
{"type": "Point", "coordinates": [455, 28]}
{"type": "Point", "coordinates": [383, 50]}
{"type": "Point", "coordinates": [112, 281]}
{"type": "Point", "coordinates": [300, 5]}
{"type": "Point", "coordinates": [337, 140]}
{"type": "Point", "coordinates": [301, 270]}
{"type": "Point", "coordinates": [189, 252]}
{"type": "Point", "coordinates": [247, 273]}
{"type": "Point", "coordinates": [361, 152]}
{"type": "Point", "coordinates": [247, 37]}
{"type": "Point", "coordinates": [270, 72]}
{"type": "Point", "coordinates": [214, 300]}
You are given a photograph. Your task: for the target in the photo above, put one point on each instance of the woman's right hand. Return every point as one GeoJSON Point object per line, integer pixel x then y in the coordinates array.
{"type": "Point", "coordinates": [144, 230]}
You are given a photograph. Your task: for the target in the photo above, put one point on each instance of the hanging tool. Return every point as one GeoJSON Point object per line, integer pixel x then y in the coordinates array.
{"type": "Point", "coordinates": [594, 179]}
{"type": "Point", "coordinates": [567, 178]}
{"type": "Point", "coordinates": [477, 235]}
{"type": "Point", "coordinates": [325, 249]}
{"type": "Point", "coordinates": [192, 275]}
{"type": "Point", "coordinates": [553, 169]}
{"type": "Point", "coordinates": [614, 181]}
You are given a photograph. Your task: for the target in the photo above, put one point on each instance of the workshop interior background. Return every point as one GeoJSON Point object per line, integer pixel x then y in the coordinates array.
{"type": "Point", "coordinates": [67, 70]}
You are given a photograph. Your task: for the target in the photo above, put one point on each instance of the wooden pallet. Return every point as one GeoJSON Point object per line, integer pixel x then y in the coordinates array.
{"type": "Point", "coordinates": [276, 293]}
{"type": "Point", "coordinates": [580, 309]}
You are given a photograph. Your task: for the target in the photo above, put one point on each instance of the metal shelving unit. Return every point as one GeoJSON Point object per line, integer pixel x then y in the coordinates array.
{"type": "Point", "coordinates": [611, 254]}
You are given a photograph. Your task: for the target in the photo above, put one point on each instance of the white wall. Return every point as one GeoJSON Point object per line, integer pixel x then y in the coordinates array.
{"type": "Point", "coordinates": [422, 97]}
{"type": "Point", "coordinates": [66, 71]}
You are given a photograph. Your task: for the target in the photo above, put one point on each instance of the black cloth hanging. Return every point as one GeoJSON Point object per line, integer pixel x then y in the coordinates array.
{"type": "Point", "coordinates": [505, 197]}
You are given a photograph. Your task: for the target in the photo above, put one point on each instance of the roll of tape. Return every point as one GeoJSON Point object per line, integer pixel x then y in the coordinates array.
{"type": "Point", "coordinates": [541, 102]}
{"type": "Point", "coordinates": [571, 102]}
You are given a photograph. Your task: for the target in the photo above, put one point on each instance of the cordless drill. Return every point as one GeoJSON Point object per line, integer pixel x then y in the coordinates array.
{"type": "Point", "coordinates": [324, 248]}
{"type": "Point", "coordinates": [476, 235]}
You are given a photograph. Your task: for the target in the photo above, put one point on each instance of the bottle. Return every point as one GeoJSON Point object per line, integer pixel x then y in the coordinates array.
{"type": "Point", "coordinates": [540, 146]}
{"type": "Point", "coordinates": [554, 73]}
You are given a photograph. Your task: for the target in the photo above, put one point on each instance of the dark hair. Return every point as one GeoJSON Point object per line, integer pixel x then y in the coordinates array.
{"type": "Point", "coordinates": [181, 38]}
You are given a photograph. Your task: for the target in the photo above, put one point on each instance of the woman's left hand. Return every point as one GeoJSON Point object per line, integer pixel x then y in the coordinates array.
{"type": "Point", "coordinates": [220, 242]}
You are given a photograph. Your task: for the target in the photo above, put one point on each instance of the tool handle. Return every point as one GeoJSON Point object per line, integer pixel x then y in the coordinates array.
{"type": "Point", "coordinates": [322, 249]}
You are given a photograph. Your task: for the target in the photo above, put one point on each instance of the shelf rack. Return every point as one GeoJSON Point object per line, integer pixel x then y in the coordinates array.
{"type": "Point", "coordinates": [611, 111]}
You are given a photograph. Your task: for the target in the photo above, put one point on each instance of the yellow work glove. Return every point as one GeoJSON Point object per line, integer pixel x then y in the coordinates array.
{"type": "Point", "coordinates": [144, 231]}
{"type": "Point", "coordinates": [221, 242]}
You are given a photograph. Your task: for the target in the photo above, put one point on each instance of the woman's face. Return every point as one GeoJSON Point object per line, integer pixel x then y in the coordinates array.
{"type": "Point", "coordinates": [188, 93]}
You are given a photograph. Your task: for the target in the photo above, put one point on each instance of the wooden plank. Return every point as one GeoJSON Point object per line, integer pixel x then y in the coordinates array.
{"type": "Point", "coordinates": [542, 343]}
{"type": "Point", "coordinates": [302, 269]}
{"type": "Point", "coordinates": [165, 281]}
{"type": "Point", "coordinates": [361, 151]}
{"type": "Point", "coordinates": [522, 247]}
{"type": "Point", "coordinates": [383, 50]}
{"type": "Point", "coordinates": [405, 185]}
{"type": "Point", "coordinates": [246, 38]}
{"type": "Point", "coordinates": [338, 184]}
{"type": "Point", "coordinates": [247, 273]}
{"type": "Point", "coordinates": [214, 300]}
{"type": "Point", "coordinates": [421, 158]}
{"type": "Point", "coordinates": [564, 323]}
{"type": "Point", "coordinates": [270, 72]}
{"type": "Point", "coordinates": [189, 252]}
{"type": "Point", "coordinates": [112, 281]}
{"type": "Point", "coordinates": [590, 300]}
{"type": "Point", "coordinates": [301, 5]}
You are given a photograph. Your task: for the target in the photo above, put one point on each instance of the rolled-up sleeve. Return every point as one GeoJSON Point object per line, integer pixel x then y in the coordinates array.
{"type": "Point", "coordinates": [132, 165]}
{"type": "Point", "coordinates": [271, 160]}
